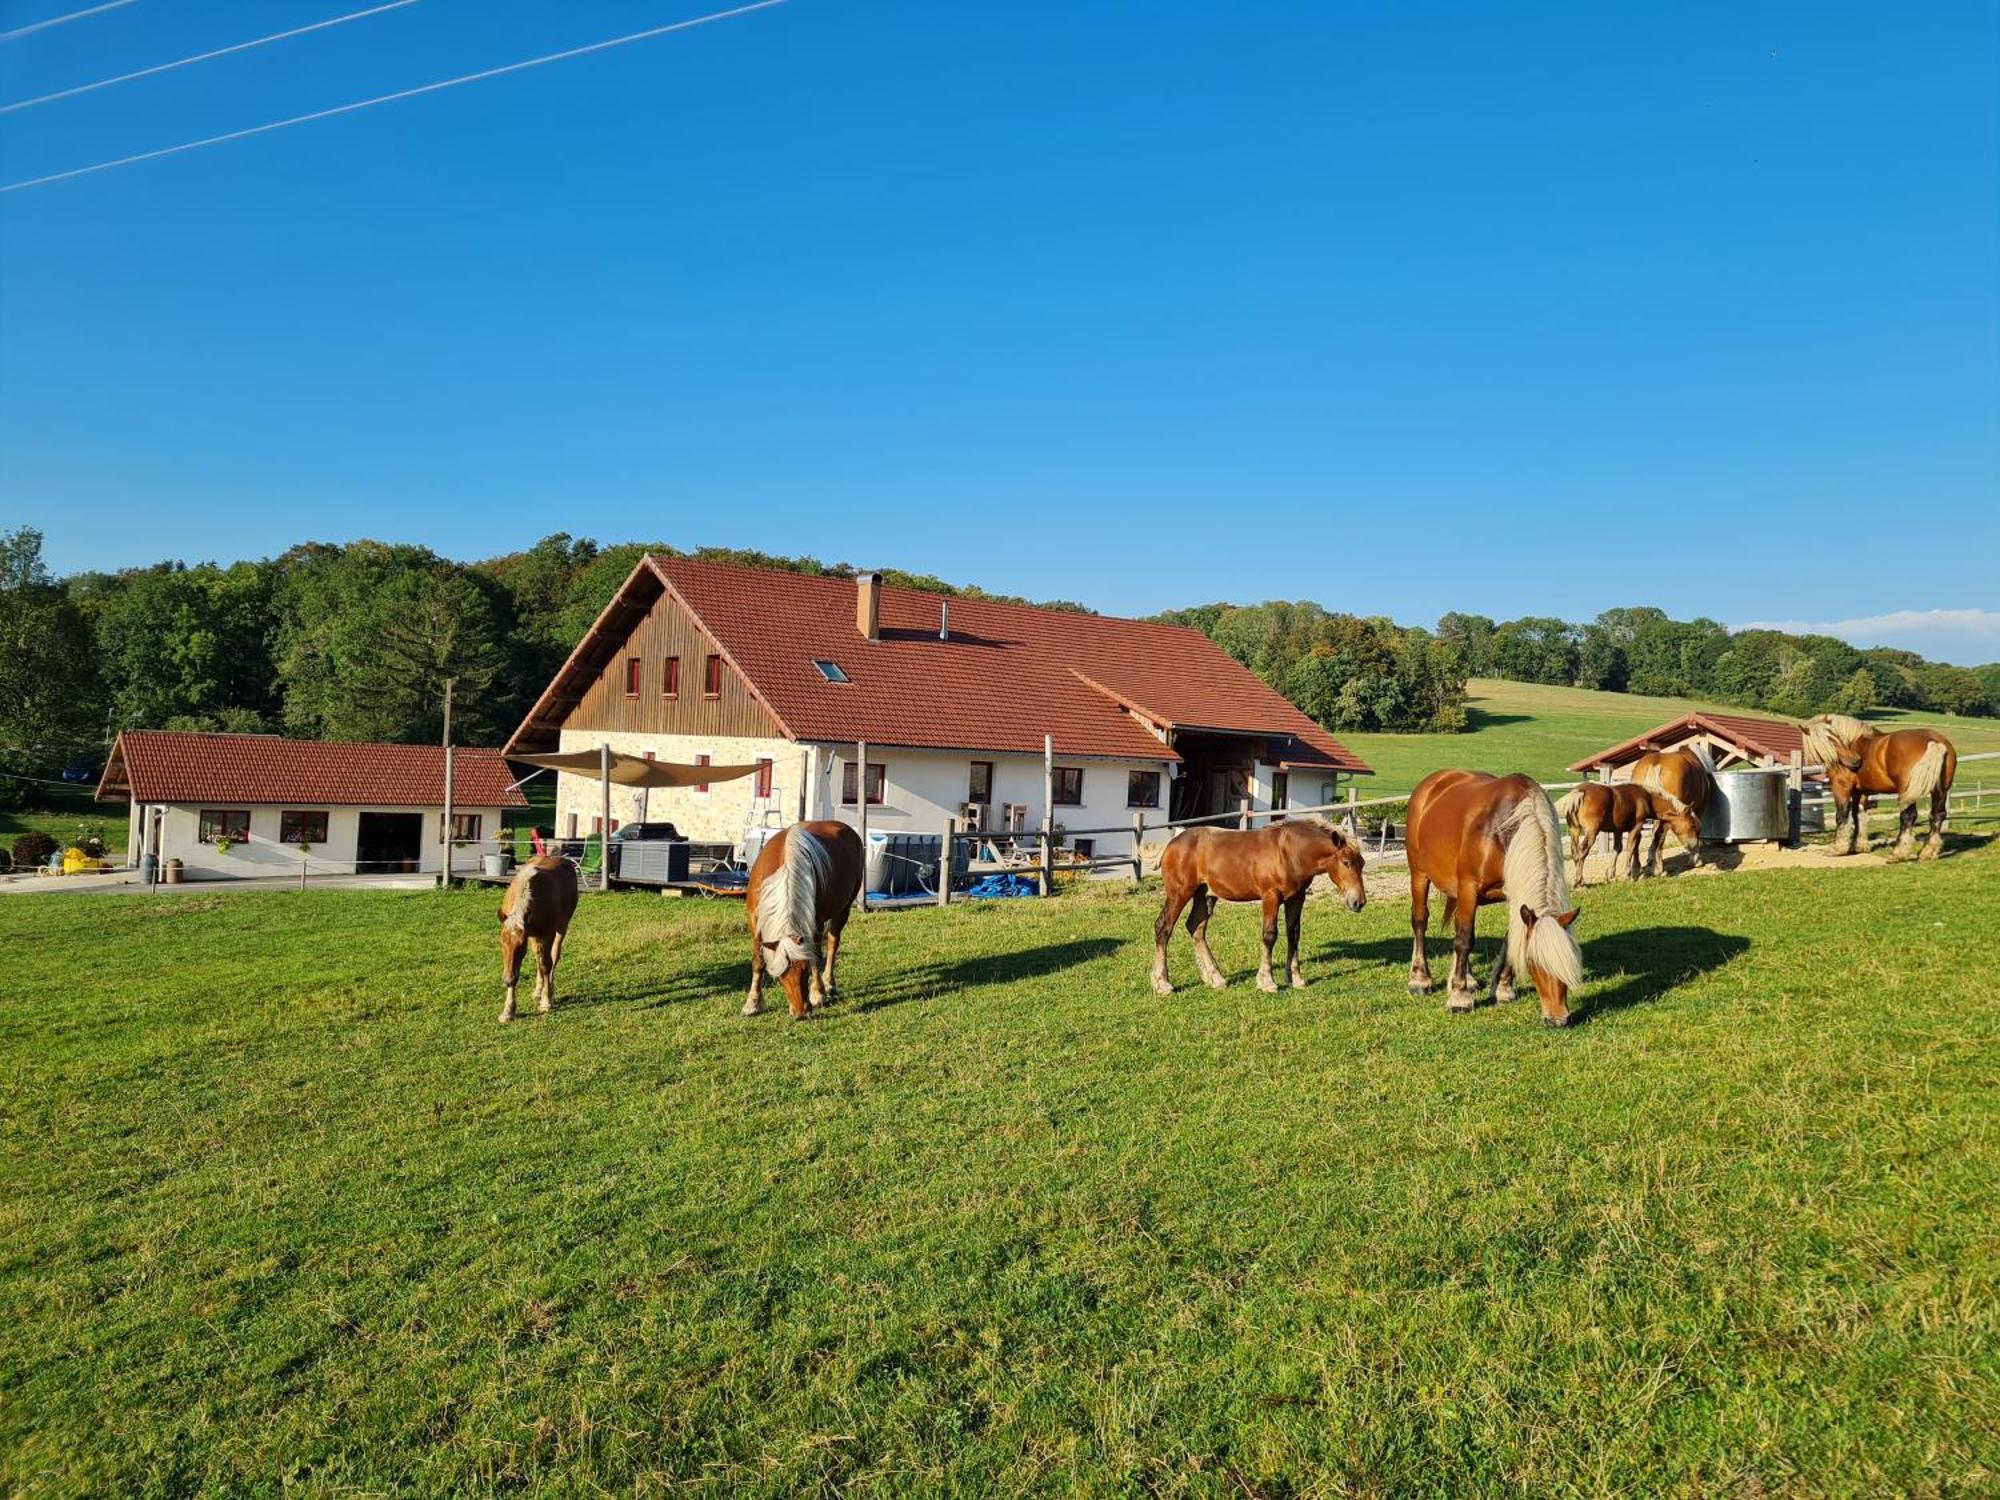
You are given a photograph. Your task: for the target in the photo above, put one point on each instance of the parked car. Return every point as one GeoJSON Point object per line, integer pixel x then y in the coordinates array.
{"type": "Point", "coordinates": [78, 773]}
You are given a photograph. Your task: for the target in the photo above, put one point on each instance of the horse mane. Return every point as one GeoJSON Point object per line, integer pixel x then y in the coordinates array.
{"type": "Point", "coordinates": [1833, 737]}
{"type": "Point", "coordinates": [788, 901]}
{"type": "Point", "coordinates": [1532, 876]}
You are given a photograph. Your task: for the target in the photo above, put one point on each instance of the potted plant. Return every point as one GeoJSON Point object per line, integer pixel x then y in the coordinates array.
{"type": "Point", "coordinates": [224, 843]}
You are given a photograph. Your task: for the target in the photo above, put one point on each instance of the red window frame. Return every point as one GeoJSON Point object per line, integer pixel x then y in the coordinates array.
{"type": "Point", "coordinates": [711, 678]}
{"type": "Point", "coordinates": [670, 678]}
{"type": "Point", "coordinates": [878, 784]}
{"type": "Point", "coordinates": [704, 760]}
{"type": "Point", "coordinates": [633, 667]}
{"type": "Point", "coordinates": [763, 782]}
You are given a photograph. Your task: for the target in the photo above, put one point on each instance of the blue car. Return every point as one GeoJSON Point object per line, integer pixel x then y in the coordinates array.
{"type": "Point", "coordinates": [80, 774]}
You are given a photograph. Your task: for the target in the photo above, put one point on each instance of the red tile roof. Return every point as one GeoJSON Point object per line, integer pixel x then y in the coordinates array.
{"type": "Point", "coordinates": [1007, 673]}
{"type": "Point", "coordinates": [1775, 739]}
{"type": "Point", "coordinates": [234, 770]}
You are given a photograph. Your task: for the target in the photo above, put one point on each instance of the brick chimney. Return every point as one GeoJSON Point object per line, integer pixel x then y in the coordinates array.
{"type": "Point", "coordinates": [868, 606]}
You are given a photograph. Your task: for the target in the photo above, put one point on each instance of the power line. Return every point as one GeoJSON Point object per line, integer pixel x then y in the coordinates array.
{"type": "Point", "coordinates": [168, 67]}
{"type": "Point", "coordinates": [427, 88]}
{"type": "Point", "coordinates": [75, 15]}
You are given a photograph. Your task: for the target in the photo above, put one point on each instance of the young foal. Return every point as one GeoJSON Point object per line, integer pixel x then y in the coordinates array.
{"type": "Point", "coordinates": [1617, 808]}
{"type": "Point", "coordinates": [804, 884]}
{"type": "Point", "coordinates": [1273, 865]}
{"type": "Point", "coordinates": [1860, 762]}
{"type": "Point", "coordinates": [535, 913]}
{"type": "Point", "coordinates": [1481, 839]}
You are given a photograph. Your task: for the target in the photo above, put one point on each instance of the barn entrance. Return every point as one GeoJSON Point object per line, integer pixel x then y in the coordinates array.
{"type": "Point", "coordinates": [388, 842]}
{"type": "Point", "coordinates": [1217, 772]}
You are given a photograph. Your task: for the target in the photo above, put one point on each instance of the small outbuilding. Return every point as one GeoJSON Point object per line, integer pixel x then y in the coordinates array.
{"type": "Point", "coordinates": [230, 806]}
{"type": "Point", "coordinates": [1734, 740]}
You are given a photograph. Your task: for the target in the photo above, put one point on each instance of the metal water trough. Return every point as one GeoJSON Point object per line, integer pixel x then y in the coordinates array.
{"type": "Point", "coordinates": [1748, 806]}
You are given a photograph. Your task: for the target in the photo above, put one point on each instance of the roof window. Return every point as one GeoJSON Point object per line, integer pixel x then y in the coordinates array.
{"type": "Point", "coordinates": [830, 670]}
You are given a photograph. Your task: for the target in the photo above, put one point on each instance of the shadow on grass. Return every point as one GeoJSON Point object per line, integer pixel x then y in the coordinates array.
{"type": "Point", "coordinates": [1648, 962]}
{"type": "Point", "coordinates": [933, 979]}
{"type": "Point", "coordinates": [1479, 718]}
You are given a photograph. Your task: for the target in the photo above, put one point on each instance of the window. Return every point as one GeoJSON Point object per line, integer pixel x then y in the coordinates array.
{"type": "Point", "coordinates": [878, 784]}
{"type": "Point", "coordinates": [631, 676]}
{"type": "Point", "coordinates": [1328, 790]}
{"type": "Point", "coordinates": [596, 826]}
{"type": "Point", "coordinates": [1085, 848]}
{"type": "Point", "coordinates": [1281, 790]}
{"type": "Point", "coordinates": [763, 783]}
{"type": "Point", "coordinates": [572, 825]}
{"type": "Point", "coordinates": [225, 823]}
{"type": "Point", "coordinates": [704, 760]}
{"type": "Point", "coordinates": [301, 827]}
{"type": "Point", "coordinates": [1142, 789]}
{"type": "Point", "coordinates": [711, 681]}
{"type": "Point", "coordinates": [1069, 786]}
{"type": "Point", "coordinates": [464, 826]}
{"type": "Point", "coordinates": [830, 670]}
{"type": "Point", "coordinates": [980, 789]}
{"type": "Point", "coordinates": [670, 678]}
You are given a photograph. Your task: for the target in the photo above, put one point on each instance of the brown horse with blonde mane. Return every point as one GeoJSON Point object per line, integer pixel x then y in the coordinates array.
{"type": "Point", "coordinates": [1618, 808]}
{"type": "Point", "coordinates": [1668, 788]}
{"type": "Point", "coordinates": [535, 912]}
{"type": "Point", "coordinates": [1272, 865]}
{"type": "Point", "coordinates": [1861, 762]}
{"type": "Point", "coordinates": [1482, 839]}
{"type": "Point", "coordinates": [1680, 783]}
{"type": "Point", "coordinates": [802, 887]}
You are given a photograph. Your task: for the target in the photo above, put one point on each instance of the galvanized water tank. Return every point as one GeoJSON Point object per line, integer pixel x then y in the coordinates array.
{"type": "Point", "coordinates": [1747, 805]}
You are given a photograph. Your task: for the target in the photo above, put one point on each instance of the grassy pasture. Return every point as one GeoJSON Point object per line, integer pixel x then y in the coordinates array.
{"type": "Point", "coordinates": [60, 812]}
{"type": "Point", "coordinates": [282, 1204]}
{"type": "Point", "coordinates": [1522, 726]}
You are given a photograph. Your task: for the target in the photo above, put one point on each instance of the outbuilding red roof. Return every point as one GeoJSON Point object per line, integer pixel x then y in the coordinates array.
{"type": "Point", "coordinates": [999, 678]}
{"type": "Point", "coordinates": [1775, 739]}
{"type": "Point", "coordinates": [235, 770]}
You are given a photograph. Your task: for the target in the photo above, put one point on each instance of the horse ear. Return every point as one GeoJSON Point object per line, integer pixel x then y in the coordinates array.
{"type": "Point", "coordinates": [1569, 917]}
{"type": "Point", "coordinates": [1528, 915]}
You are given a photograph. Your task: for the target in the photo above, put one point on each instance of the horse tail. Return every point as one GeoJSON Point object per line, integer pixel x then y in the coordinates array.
{"type": "Point", "coordinates": [1925, 776]}
{"type": "Point", "coordinates": [788, 902]}
{"type": "Point", "coordinates": [1566, 809]}
{"type": "Point", "coordinates": [1532, 876]}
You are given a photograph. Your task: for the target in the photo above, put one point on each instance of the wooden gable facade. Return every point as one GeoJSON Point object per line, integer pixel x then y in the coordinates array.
{"type": "Point", "coordinates": [666, 634]}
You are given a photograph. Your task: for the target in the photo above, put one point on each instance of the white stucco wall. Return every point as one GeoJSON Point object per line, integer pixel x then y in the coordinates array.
{"type": "Point", "coordinates": [263, 854]}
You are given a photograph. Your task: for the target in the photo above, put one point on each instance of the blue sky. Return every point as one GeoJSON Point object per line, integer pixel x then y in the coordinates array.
{"type": "Point", "coordinates": [1512, 309]}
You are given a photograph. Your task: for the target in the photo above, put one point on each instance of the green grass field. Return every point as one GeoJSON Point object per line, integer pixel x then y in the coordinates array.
{"type": "Point", "coordinates": [60, 812]}
{"type": "Point", "coordinates": [1521, 726]}
{"type": "Point", "coordinates": [283, 1206]}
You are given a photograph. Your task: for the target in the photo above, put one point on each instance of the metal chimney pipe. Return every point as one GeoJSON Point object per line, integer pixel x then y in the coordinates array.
{"type": "Point", "coordinates": [944, 619]}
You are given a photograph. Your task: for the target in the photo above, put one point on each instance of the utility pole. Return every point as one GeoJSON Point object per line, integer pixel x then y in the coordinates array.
{"type": "Point", "coordinates": [449, 684]}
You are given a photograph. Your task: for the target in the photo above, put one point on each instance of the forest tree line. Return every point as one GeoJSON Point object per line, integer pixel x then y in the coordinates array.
{"type": "Point", "coordinates": [355, 642]}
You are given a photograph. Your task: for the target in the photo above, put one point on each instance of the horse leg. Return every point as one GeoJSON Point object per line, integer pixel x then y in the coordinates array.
{"type": "Point", "coordinates": [1420, 921]}
{"type": "Point", "coordinates": [1906, 832]}
{"type": "Point", "coordinates": [1294, 912]}
{"type": "Point", "coordinates": [816, 968]}
{"type": "Point", "coordinates": [755, 1003]}
{"type": "Point", "coordinates": [830, 984]}
{"type": "Point", "coordinates": [1579, 847]}
{"type": "Point", "coordinates": [1197, 925]}
{"type": "Point", "coordinates": [1464, 992]}
{"type": "Point", "coordinates": [1163, 928]}
{"type": "Point", "coordinates": [511, 942]}
{"type": "Point", "coordinates": [1940, 810]}
{"type": "Point", "coordinates": [1659, 838]}
{"type": "Point", "coordinates": [1860, 838]}
{"type": "Point", "coordinates": [555, 947]}
{"type": "Point", "coordinates": [1264, 980]}
{"type": "Point", "coordinates": [1503, 976]}
{"type": "Point", "coordinates": [545, 973]}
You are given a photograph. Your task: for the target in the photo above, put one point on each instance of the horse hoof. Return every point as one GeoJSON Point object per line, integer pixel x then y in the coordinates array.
{"type": "Point", "coordinates": [1504, 995]}
{"type": "Point", "coordinates": [1421, 986]}
{"type": "Point", "coordinates": [1162, 987]}
{"type": "Point", "coordinates": [506, 1016]}
{"type": "Point", "coordinates": [1267, 984]}
{"type": "Point", "coordinates": [1298, 981]}
{"type": "Point", "coordinates": [1215, 981]}
{"type": "Point", "coordinates": [753, 1008]}
{"type": "Point", "coordinates": [1931, 851]}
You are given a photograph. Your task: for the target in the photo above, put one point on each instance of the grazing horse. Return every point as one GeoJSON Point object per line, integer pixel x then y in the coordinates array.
{"type": "Point", "coordinates": [534, 913]}
{"type": "Point", "coordinates": [1273, 865]}
{"type": "Point", "coordinates": [1861, 761]}
{"type": "Point", "coordinates": [1617, 808]}
{"type": "Point", "coordinates": [1481, 839]}
{"type": "Point", "coordinates": [1681, 782]}
{"type": "Point", "coordinates": [803, 885]}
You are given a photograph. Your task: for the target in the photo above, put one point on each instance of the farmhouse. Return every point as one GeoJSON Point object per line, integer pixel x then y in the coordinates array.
{"type": "Point", "coordinates": [236, 805]}
{"type": "Point", "coordinates": [1733, 739]}
{"type": "Point", "coordinates": [703, 663]}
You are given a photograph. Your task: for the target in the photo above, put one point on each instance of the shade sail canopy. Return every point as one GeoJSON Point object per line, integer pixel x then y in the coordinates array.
{"type": "Point", "coordinates": [636, 770]}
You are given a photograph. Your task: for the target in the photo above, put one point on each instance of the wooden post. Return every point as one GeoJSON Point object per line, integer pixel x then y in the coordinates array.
{"type": "Point", "coordinates": [1138, 838]}
{"type": "Point", "coordinates": [1354, 809]}
{"type": "Point", "coordinates": [861, 813]}
{"type": "Point", "coordinates": [1048, 815]}
{"type": "Point", "coordinates": [805, 783]}
{"type": "Point", "coordinates": [945, 852]}
{"type": "Point", "coordinates": [1795, 784]}
{"type": "Point", "coordinates": [445, 880]}
{"type": "Point", "coordinates": [1243, 813]}
{"type": "Point", "coordinates": [604, 816]}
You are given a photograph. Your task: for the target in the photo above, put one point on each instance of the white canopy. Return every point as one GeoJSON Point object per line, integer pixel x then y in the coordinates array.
{"type": "Point", "coordinates": [636, 770]}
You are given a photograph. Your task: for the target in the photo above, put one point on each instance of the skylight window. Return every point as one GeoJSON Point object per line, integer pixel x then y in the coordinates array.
{"type": "Point", "coordinates": [830, 670]}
